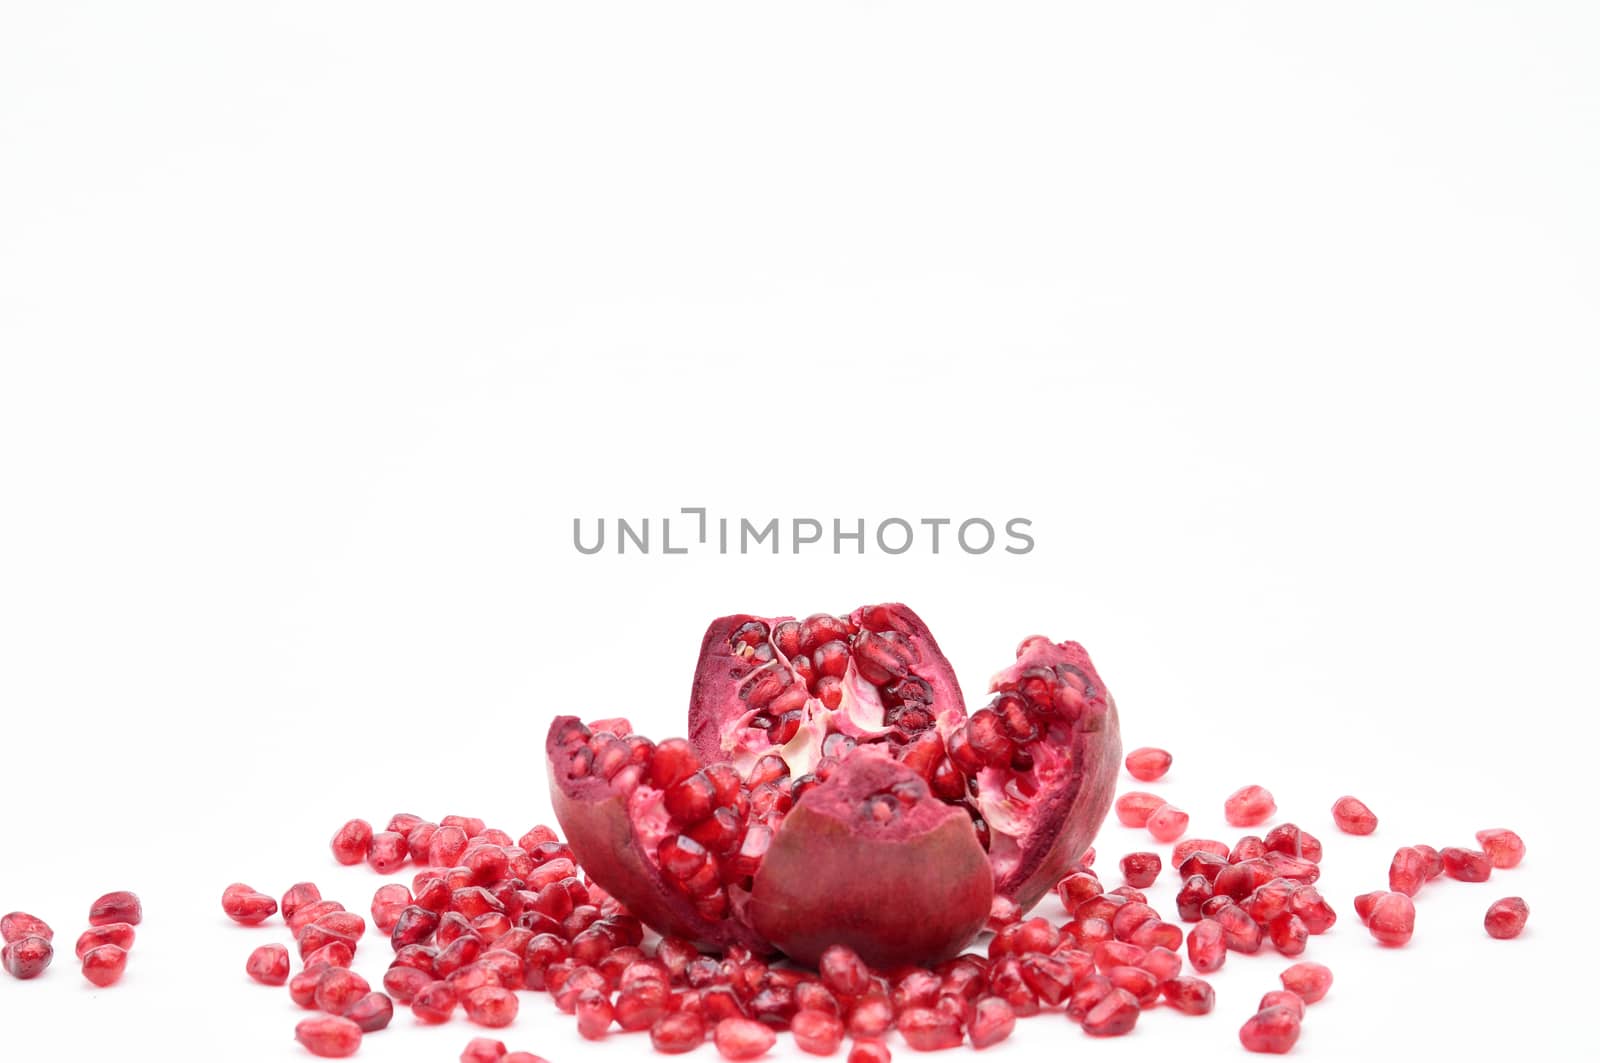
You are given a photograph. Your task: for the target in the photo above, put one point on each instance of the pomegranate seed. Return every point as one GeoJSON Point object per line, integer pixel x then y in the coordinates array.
{"type": "Point", "coordinates": [522, 1057]}
{"type": "Point", "coordinates": [646, 1000]}
{"type": "Point", "coordinates": [303, 986]}
{"type": "Point", "coordinates": [483, 1050]}
{"type": "Point", "coordinates": [1147, 764]}
{"type": "Point", "coordinates": [1271, 1030]}
{"type": "Point", "coordinates": [1364, 904]}
{"type": "Point", "coordinates": [1192, 996]}
{"type": "Point", "coordinates": [103, 966]}
{"type": "Point", "coordinates": [1288, 934]}
{"type": "Point", "coordinates": [1392, 918]}
{"type": "Point", "coordinates": [677, 1032]}
{"type": "Point", "coordinates": [387, 904]}
{"type": "Point", "coordinates": [18, 925]}
{"type": "Point", "coordinates": [1161, 961]}
{"type": "Point", "coordinates": [1112, 1016]}
{"type": "Point", "coordinates": [1290, 840]}
{"type": "Point", "coordinates": [246, 906]}
{"type": "Point", "coordinates": [1308, 981]}
{"type": "Point", "coordinates": [447, 846]}
{"type": "Point", "coordinates": [1140, 869]}
{"type": "Point", "coordinates": [1432, 861]}
{"type": "Point", "coordinates": [1504, 847]}
{"type": "Point", "coordinates": [1207, 948]}
{"type": "Point", "coordinates": [1283, 998]}
{"type": "Point", "coordinates": [118, 907]}
{"type": "Point", "coordinates": [1353, 817]}
{"type": "Point", "coordinates": [1407, 871]}
{"type": "Point", "coordinates": [817, 1032]}
{"type": "Point", "coordinates": [350, 842]}
{"type": "Point", "coordinates": [1167, 824]}
{"type": "Point", "coordinates": [372, 1012]}
{"type": "Point", "coordinates": [118, 934]}
{"type": "Point", "coordinates": [434, 1003]}
{"type": "Point", "coordinates": [929, 1029]}
{"type": "Point", "coordinates": [1136, 980]}
{"type": "Point", "coordinates": [1239, 931]}
{"type": "Point", "coordinates": [844, 972]}
{"type": "Point", "coordinates": [1466, 865]}
{"type": "Point", "coordinates": [868, 1050]}
{"type": "Point", "coordinates": [871, 1017]}
{"type": "Point", "coordinates": [1506, 917]}
{"type": "Point", "coordinates": [329, 1036]}
{"type": "Point", "coordinates": [404, 983]}
{"type": "Point", "coordinates": [338, 989]}
{"type": "Point", "coordinates": [595, 1014]}
{"type": "Point", "coordinates": [1190, 846]}
{"type": "Point", "coordinates": [387, 852]}
{"type": "Point", "coordinates": [1135, 808]}
{"type": "Point", "coordinates": [27, 957]}
{"type": "Point", "coordinates": [1248, 806]}
{"type": "Point", "coordinates": [743, 1038]}
{"type": "Point", "coordinates": [1195, 892]}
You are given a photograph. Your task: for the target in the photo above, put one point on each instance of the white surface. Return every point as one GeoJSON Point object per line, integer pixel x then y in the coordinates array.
{"type": "Point", "coordinates": [320, 323]}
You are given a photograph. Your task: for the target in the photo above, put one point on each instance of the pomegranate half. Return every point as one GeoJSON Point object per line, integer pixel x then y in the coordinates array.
{"type": "Point", "coordinates": [833, 789]}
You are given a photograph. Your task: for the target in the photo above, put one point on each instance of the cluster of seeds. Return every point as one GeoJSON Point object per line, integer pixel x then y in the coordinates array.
{"type": "Point", "coordinates": [485, 916]}
{"type": "Point", "coordinates": [102, 950]}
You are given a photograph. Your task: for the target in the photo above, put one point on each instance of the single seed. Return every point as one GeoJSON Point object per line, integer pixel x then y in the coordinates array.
{"type": "Point", "coordinates": [1308, 981]}
{"type": "Point", "coordinates": [1352, 816]}
{"type": "Point", "coordinates": [1248, 806]}
{"type": "Point", "coordinates": [103, 966]}
{"type": "Point", "coordinates": [1504, 847]}
{"type": "Point", "coordinates": [118, 907]}
{"type": "Point", "coordinates": [330, 1036]}
{"type": "Point", "coordinates": [1506, 917]}
{"type": "Point", "coordinates": [1147, 763]}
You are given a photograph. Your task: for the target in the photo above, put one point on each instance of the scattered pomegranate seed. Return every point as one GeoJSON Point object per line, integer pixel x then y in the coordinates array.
{"type": "Point", "coordinates": [1308, 981]}
{"type": "Point", "coordinates": [246, 906]}
{"type": "Point", "coordinates": [434, 1003]}
{"type": "Point", "coordinates": [1466, 865]}
{"type": "Point", "coordinates": [522, 1057]}
{"type": "Point", "coordinates": [1248, 806]}
{"type": "Point", "coordinates": [595, 1014]}
{"type": "Point", "coordinates": [1408, 871]}
{"type": "Point", "coordinates": [338, 989]}
{"type": "Point", "coordinates": [1272, 1030]}
{"type": "Point", "coordinates": [1135, 808]}
{"type": "Point", "coordinates": [1352, 816]}
{"type": "Point", "coordinates": [1147, 763]}
{"type": "Point", "coordinates": [1192, 996]}
{"type": "Point", "coordinates": [1167, 823]}
{"type": "Point", "coordinates": [17, 925]}
{"type": "Point", "coordinates": [1504, 847]}
{"type": "Point", "coordinates": [1140, 869]}
{"type": "Point", "coordinates": [1392, 918]}
{"type": "Point", "coordinates": [843, 971]}
{"type": "Point", "coordinates": [372, 1012]}
{"type": "Point", "coordinates": [1283, 998]}
{"type": "Point", "coordinates": [818, 1032]}
{"type": "Point", "coordinates": [678, 1031]}
{"type": "Point", "coordinates": [1506, 917]}
{"type": "Point", "coordinates": [27, 957]}
{"type": "Point", "coordinates": [118, 934]}
{"type": "Point", "coordinates": [744, 1038]}
{"type": "Point", "coordinates": [118, 907]}
{"type": "Point", "coordinates": [298, 896]}
{"type": "Point", "coordinates": [351, 842]}
{"type": "Point", "coordinates": [329, 1036]}
{"type": "Point", "coordinates": [868, 1050]}
{"type": "Point", "coordinates": [103, 966]}
{"type": "Point", "coordinates": [483, 1050]}
{"type": "Point", "coordinates": [1207, 948]}
{"type": "Point", "coordinates": [1113, 1016]}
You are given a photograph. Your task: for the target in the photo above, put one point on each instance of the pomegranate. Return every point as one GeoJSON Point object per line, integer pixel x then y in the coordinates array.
{"type": "Point", "coordinates": [1147, 763]}
{"type": "Point", "coordinates": [830, 763]}
{"type": "Point", "coordinates": [1506, 917]}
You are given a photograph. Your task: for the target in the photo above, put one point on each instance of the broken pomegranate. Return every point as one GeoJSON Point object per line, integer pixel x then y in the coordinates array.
{"type": "Point", "coordinates": [830, 765]}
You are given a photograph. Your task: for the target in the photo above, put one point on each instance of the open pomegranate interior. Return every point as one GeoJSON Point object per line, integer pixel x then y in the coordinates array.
{"type": "Point", "coordinates": [833, 789]}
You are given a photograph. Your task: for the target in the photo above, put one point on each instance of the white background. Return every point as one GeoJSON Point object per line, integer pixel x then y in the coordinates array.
{"type": "Point", "coordinates": [320, 323]}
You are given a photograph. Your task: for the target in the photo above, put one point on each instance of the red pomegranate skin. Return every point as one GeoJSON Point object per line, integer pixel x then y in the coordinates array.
{"type": "Point", "coordinates": [1064, 825]}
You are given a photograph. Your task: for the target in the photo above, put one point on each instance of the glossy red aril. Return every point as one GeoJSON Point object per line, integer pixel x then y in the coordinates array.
{"type": "Point", "coordinates": [268, 965]}
{"type": "Point", "coordinates": [351, 841]}
{"type": "Point", "coordinates": [118, 907]}
{"type": "Point", "coordinates": [1282, 998]}
{"type": "Point", "coordinates": [817, 1032]}
{"type": "Point", "coordinates": [103, 966]}
{"type": "Point", "coordinates": [1115, 1014]}
{"type": "Point", "coordinates": [1352, 816]}
{"type": "Point", "coordinates": [1249, 806]}
{"type": "Point", "coordinates": [993, 1019]}
{"type": "Point", "coordinates": [27, 957]}
{"type": "Point", "coordinates": [739, 1038]}
{"type": "Point", "coordinates": [1147, 763]}
{"type": "Point", "coordinates": [1272, 1030]}
{"type": "Point", "coordinates": [330, 1036]}
{"type": "Point", "coordinates": [1192, 996]}
{"type": "Point", "coordinates": [1139, 870]}
{"type": "Point", "coordinates": [1207, 946]}
{"type": "Point", "coordinates": [828, 761]}
{"type": "Point", "coordinates": [1505, 847]}
{"type": "Point", "coordinates": [372, 1012]}
{"type": "Point", "coordinates": [483, 1050]}
{"type": "Point", "coordinates": [1407, 871]}
{"type": "Point", "coordinates": [17, 925]}
{"type": "Point", "coordinates": [1506, 917]}
{"type": "Point", "coordinates": [1466, 865]}
{"type": "Point", "coordinates": [1391, 918]}
{"type": "Point", "coordinates": [1135, 808]}
{"type": "Point", "coordinates": [1308, 981]}
{"type": "Point", "coordinates": [246, 906]}
{"type": "Point", "coordinates": [1167, 824]}
{"type": "Point", "coordinates": [118, 934]}
{"type": "Point", "coordinates": [929, 1029]}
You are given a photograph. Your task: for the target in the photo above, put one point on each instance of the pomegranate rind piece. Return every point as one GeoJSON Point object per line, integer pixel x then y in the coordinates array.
{"type": "Point", "coordinates": [715, 707]}
{"type": "Point", "coordinates": [913, 889]}
{"type": "Point", "coordinates": [599, 830]}
{"type": "Point", "coordinates": [1062, 819]}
